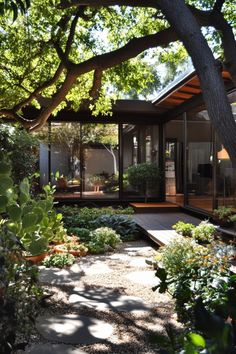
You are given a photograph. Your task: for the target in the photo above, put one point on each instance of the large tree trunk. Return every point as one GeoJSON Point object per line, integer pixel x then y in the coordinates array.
{"type": "Point", "coordinates": [214, 94]}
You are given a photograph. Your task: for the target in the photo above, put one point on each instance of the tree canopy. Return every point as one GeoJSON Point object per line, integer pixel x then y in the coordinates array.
{"type": "Point", "coordinates": [75, 53]}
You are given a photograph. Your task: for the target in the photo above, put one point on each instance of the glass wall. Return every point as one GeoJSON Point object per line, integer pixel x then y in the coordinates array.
{"type": "Point", "coordinates": [100, 161]}
{"type": "Point", "coordinates": [174, 156]}
{"type": "Point", "coordinates": [199, 161]}
{"type": "Point", "coordinates": [86, 159]}
{"type": "Point", "coordinates": [140, 144]}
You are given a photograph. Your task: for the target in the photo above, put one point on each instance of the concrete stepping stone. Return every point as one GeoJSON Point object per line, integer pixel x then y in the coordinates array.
{"type": "Point", "coordinates": [97, 268]}
{"type": "Point", "coordinates": [73, 329]}
{"type": "Point", "coordinates": [57, 276]}
{"type": "Point", "coordinates": [103, 299]}
{"type": "Point", "coordinates": [53, 348]}
{"type": "Point", "coordinates": [138, 262]}
{"type": "Point", "coordinates": [147, 278]}
{"type": "Point", "coordinates": [119, 257]}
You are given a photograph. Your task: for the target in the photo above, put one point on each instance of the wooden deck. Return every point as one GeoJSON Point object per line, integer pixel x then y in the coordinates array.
{"type": "Point", "coordinates": [154, 207]}
{"type": "Point", "coordinates": [159, 226]}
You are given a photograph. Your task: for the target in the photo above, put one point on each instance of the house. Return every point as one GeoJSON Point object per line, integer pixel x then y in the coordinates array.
{"type": "Point", "coordinates": [173, 131]}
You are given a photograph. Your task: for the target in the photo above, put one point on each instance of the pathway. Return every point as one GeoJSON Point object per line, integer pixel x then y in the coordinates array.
{"type": "Point", "coordinates": [104, 304]}
{"type": "Point", "coordinates": [159, 226]}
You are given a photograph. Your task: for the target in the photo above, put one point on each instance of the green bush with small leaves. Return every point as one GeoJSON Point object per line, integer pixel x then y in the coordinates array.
{"type": "Point", "coordinates": [204, 232]}
{"type": "Point", "coordinates": [122, 224]}
{"type": "Point", "coordinates": [183, 228]}
{"type": "Point", "coordinates": [102, 238]}
{"type": "Point", "coordinates": [59, 260]}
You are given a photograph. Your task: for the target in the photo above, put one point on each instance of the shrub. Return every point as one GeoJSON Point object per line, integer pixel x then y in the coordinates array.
{"type": "Point", "coordinates": [191, 271]}
{"type": "Point", "coordinates": [183, 228]}
{"type": "Point", "coordinates": [123, 225]}
{"type": "Point", "coordinates": [23, 149]}
{"type": "Point", "coordinates": [223, 214]}
{"type": "Point", "coordinates": [19, 292]}
{"type": "Point", "coordinates": [85, 217]}
{"type": "Point", "coordinates": [204, 232]}
{"type": "Point", "coordinates": [82, 233]}
{"type": "Point", "coordinates": [102, 238]}
{"type": "Point", "coordinates": [59, 260]}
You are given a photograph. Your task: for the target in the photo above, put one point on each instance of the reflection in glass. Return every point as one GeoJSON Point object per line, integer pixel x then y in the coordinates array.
{"type": "Point", "coordinates": [199, 161]}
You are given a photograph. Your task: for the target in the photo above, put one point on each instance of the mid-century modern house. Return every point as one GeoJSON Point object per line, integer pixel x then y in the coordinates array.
{"type": "Point", "coordinates": [173, 131]}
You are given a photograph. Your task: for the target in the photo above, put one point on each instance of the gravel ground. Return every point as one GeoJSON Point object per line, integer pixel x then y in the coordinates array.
{"type": "Point", "coordinates": [143, 333]}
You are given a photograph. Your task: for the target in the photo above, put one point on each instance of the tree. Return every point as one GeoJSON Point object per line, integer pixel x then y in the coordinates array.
{"type": "Point", "coordinates": [79, 52]}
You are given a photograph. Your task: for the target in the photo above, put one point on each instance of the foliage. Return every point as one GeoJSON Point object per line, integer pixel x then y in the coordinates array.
{"type": "Point", "coordinates": [22, 148]}
{"type": "Point", "coordinates": [216, 331]}
{"type": "Point", "coordinates": [183, 228]}
{"type": "Point", "coordinates": [82, 233]}
{"type": "Point", "coordinates": [59, 260]}
{"type": "Point", "coordinates": [233, 218]}
{"type": "Point", "coordinates": [72, 245]}
{"type": "Point", "coordinates": [204, 232]}
{"type": "Point", "coordinates": [19, 292]}
{"type": "Point", "coordinates": [102, 239]}
{"type": "Point", "coordinates": [223, 214]}
{"type": "Point", "coordinates": [144, 176]}
{"type": "Point", "coordinates": [15, 6]}
{"type": "Point", "coordinates": [122, 224]}
{"type": "Point", "coordinates": [33, 221]}
{"type": "Point", "coordinates": [84, 217]}
{"type": "Point", "coordinates": [191, 271]}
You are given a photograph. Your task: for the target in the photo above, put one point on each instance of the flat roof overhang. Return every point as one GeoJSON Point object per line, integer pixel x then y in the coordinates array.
{"type": "Point", "coordinates": [183, 95]}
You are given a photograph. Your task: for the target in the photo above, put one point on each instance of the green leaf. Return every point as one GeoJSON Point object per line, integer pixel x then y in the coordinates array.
{"type": "Point", "coordinates": [161, 274]}
{"type": "Point", "coordinates": [24, 186]}
{"type": "Point", "coordinates": [14, 212]}
{"type": "Point", "coordinates": [29, 220]}
{"type": "Point", "coordinates": [23, 198]}
{"type": "Point", "coordinates": [197, 340]}
{"type": "Point", "coordinates": [5, 168]}
{"type": "Point", "coordinates": [5, 183]}
{"type": "Point", "coordinates": [3, 203]}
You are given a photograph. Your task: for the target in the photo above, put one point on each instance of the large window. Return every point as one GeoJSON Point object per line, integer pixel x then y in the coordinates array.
{"type": "Point", "coordinates": [140, 144]}
{"type": "Point", "coordinates": [199, 161]}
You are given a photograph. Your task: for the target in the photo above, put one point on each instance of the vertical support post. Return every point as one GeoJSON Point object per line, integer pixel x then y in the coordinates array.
{"type": "Point", "coordinates": [81, 156]}
{"type": "Point", "coordinates": [49, 151]}
{"type": "Point", "coordinates": [185, 160]}
{"type": "Point", "coordinates": [121, 165]}
{"type": "Point", "coordinates": [161, 159]}
{"type": "Point", "coordinates": [214, 176]}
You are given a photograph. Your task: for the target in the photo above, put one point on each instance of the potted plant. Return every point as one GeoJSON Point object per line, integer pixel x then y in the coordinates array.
{"type": "Point", "coordinates": [36, 247]}
{"type": "Point", "coordinates": [72, 247]}
{"type": "Point", "coordinates": [144, 177]}
{"type": "Point", "coordinates": [222, 216]}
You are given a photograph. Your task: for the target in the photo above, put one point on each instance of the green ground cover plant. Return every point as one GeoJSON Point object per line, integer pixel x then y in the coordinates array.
{"type": "Point", "coordinates": [59, 260]}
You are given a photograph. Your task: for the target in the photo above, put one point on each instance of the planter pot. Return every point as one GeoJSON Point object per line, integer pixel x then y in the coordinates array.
{"type": "Point", "coordinates": [36, 259]}
{"type": "Point", "coordinates": [61, 249]}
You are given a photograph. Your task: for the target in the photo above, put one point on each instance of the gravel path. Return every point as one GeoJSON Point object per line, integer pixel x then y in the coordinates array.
{"type": "Point", "coordinates": [119, 273]}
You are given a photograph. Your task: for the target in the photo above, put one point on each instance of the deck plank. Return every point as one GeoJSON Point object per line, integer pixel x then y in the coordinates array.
{"type": "Point", "coordinates": [159, 226]}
